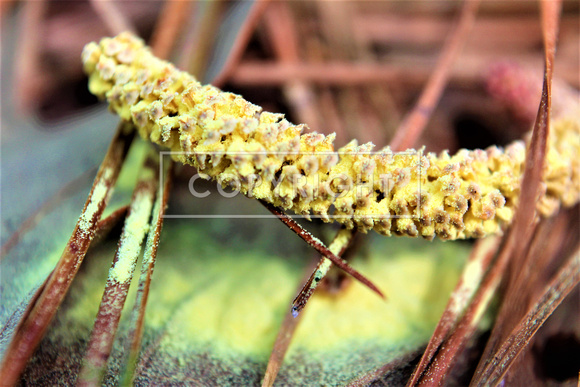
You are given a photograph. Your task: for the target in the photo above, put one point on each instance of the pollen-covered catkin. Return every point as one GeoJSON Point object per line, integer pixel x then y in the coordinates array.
{"type": "Point", "coordinates": [471, 194]}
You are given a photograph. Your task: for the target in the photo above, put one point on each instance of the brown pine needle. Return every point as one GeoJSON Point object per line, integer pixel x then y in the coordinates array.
{"type": "Point", "coordinates": [40, 313]}
{"type": "Point", "coordinates": [281, 345]}
{"type": "Point", "coordinates": [339, 244]}
{"type": "Point", "coordinates": [120, 276]}
{"type": "Point", "coordinates": [567, 278]}
{"type": "Point", "coordinates": [321, 248]}
{"type": "Point", "coordinates": [413, 125]}
{"type": "Point", "coordinates": [525, 217]}
{"type": "Point", "coordinates": [520, 233]}
{"type": "Point", "coordinates": [147, 266]}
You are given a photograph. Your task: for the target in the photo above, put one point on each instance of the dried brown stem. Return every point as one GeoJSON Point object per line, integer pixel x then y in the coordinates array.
{"type": "Point", "coordinates": [147, 266]}
{"type": "Point", "coordinates": [283, 340]}
{"type": "Point", "coordinates": [281, 345]}
{"type": "Point", "coordinates": [413, 125]}
{"type": "Point", "coordinates": [321, 248]}
{"type": "Point", "coordinates": [39, 314]}
{"type": "Point", "coordinates": [120, 276]}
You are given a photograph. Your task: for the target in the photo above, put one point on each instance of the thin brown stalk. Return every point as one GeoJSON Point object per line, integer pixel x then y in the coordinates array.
{"type": "Point", "coordinates": [414, 123]}
{"type": "Point", "coordinates": [114, 19]}
{"type": "Point", "coordinates": [242, 39]}
{"type": "Point", "coordinates": [441, 364]}
{"type": "Point", "coordinates": [40, 313]}
{"type": "Point", "coordinates": [475, 267]}
{"type": "Point", "coordinates": [46, 207]}
{"type": "Point", "coordinates": [168, 27]}
{"type": "Point", "coordinates": [120, 276]}
{"type": "Point", "coordinates": [567, 278]}
{"type": "Point", "coordinates": [321, 248]}
{"type": "Point", "coordinates": [147, 266]}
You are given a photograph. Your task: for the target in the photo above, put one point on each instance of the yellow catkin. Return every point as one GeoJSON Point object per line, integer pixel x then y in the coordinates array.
{"type": "Point", "coordinates": [470, 194]}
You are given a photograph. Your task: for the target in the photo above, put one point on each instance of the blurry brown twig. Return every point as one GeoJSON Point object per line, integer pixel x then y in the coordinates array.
{"type": "Point", "coordinates": [414, 123]}
{"type": "Point", "coordinates": [112, 17]}
{"type": "Point", "coordinates": [242, 39]}
{"type": "Point", "coordinates": [28, 68]}
{"type": "Point", "coordinates": [169, 26]}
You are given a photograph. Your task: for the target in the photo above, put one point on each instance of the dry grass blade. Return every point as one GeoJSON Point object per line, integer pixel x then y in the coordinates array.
{"type": "Point", "coordinates": [147, 266]}
{"type": "Point", "coordinates": [479, 259]}
{"type": "Point", "coordinates": [36, 319]}
{"type": "Point", "coordinates": [120, 276]}
{"type": "Point", "coordinates": [567, 279]}
{"type": "Point", "coordinates": [440, 366]}
{"type": "Point", "coordinates": [321, 248]}
{"type": "Point", "coordinates": [412, 126]}
{"type": "Point", "coordinates": [281, 29]}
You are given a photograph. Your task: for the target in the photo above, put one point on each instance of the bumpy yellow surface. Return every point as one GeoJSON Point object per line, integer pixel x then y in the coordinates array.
{"type": "Point", "coordinates": [470, 194]}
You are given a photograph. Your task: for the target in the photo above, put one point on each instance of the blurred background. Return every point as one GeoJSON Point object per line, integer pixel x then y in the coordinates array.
{"type": "Point", "coordinates": [350, 67]}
